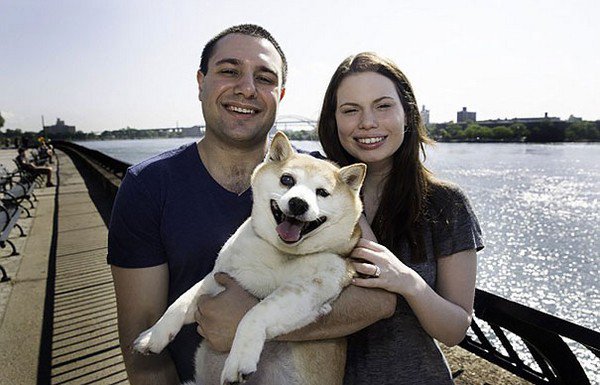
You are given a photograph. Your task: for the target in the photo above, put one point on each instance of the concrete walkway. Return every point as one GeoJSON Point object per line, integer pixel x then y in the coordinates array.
{"type": "Point", "coordinates": [63, 330]}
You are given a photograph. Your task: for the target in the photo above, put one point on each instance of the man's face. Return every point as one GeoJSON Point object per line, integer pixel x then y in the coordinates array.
{"type": "Point", "coordinates": [241, 89]}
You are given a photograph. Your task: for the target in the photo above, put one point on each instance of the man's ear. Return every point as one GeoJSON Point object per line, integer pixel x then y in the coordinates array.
{"type": "Point", "coordinates": [200, 79]}
{"type": "Point", "coordinates": [281, 148]}
{"type": "Point", "coordinates": [282, 94]}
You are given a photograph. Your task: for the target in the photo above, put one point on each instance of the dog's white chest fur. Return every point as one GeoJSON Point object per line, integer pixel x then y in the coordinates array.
{"type": "Point", "coordinates": [261, 269]}
{"type": "Point", "coordinates": [288, 254]}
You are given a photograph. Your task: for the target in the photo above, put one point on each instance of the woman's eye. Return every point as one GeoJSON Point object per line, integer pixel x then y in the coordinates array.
{"type": "Point", "coordinates": [384, 106]}
{"type": "Point", "coordinates": [322, 192]}
{"type": "Point", "coordinates": [349, 111]}
{"type": "Point", "coordinates": [287, 180]}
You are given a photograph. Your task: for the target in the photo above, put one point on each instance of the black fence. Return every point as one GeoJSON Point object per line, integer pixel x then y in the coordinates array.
{"type": "Point", "coordinates": [113, 166]}
{"type": "Point", "coordinates": [500, 328]}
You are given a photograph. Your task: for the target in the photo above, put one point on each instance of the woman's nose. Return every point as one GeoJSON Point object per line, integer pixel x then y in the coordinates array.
{"type": "Point", "coordinates": [368, 121]}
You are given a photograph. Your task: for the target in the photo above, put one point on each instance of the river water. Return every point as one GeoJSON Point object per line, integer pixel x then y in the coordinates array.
{"type": "Point", "coordinates": [539, 209]}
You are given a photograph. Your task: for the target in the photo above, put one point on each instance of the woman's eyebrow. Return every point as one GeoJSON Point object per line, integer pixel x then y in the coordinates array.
{"type": "Point", "coordinates": [383, 98]}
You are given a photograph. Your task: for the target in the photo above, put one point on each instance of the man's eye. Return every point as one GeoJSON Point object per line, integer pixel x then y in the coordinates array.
{"type": "Point", "coordinates": [322, 192]}
{"type": "Point", "coordinates": [265, 79]}
{"type": "Point", "coordinates": [228, 71]}
{"type": "Point", "coordinates": [287, 180]}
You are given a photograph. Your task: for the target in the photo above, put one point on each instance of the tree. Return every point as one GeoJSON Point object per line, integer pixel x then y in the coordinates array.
{"type": "Point", "coordinates": [578, 131]}
{"type": "Point", "coordinates": [502, 133]}
{"type": "Point", "coordinates": [520, 131]}
{"type": "Point", "coordinates": [1, 121]}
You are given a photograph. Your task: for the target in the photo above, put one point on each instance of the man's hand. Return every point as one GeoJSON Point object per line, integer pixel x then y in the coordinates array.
{"type": "Point", "coordinates": [219, 316]}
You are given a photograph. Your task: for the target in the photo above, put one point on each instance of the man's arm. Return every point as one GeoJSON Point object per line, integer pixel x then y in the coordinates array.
{"type": "Point", "coordinates": [141, 301]}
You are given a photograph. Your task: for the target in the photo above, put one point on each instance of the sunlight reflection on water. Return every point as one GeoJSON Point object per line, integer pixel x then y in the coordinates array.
{"type": "Point", "coordinates": [539, 209]}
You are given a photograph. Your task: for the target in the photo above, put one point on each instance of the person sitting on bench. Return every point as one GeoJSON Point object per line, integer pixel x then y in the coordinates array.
{"type": "Point", "coordinates": [33, 169]}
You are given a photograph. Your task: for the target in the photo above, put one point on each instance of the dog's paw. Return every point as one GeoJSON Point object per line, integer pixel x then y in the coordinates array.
{"type": "Point", "coordinates": [237, 371]}
{"type": "Point", "coordinates": [151, 341]}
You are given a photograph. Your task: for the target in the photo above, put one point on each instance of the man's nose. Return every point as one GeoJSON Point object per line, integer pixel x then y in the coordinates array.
{"type": "Point", "coordinates": [245, 86]}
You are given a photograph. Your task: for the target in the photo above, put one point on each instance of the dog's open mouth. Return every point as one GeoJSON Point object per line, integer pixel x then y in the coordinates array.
{"type": "Point", "coordinates": [290, 229]}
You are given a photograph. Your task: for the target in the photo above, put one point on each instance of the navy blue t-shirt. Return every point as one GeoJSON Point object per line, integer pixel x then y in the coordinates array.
{"type": "Point", "coordinates": [170, 210]}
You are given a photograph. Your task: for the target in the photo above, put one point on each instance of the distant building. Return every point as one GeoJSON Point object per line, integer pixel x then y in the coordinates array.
{"type": "Point", "coordinates": [425, 116]}
{"type": "Point", "coordinates": [574, 119]}
{"type": "Point", "coordinates": [465, 116]}
{"type": "Point", "coordinates": [60, 128]}
{"type": "Point", "coordinates": [507, 122]}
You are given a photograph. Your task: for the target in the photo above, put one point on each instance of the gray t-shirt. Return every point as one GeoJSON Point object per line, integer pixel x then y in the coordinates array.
{"type": "Point", "coordinates": [397, 350]}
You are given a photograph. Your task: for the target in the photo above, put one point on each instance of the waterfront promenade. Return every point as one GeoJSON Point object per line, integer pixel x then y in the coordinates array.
{"type": "Point", "coordinates": [59, 317]}
{"type": "Point", "coordinates": [58, 313]}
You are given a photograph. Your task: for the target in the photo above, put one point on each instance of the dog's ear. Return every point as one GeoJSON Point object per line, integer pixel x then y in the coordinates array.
{"type": "Point", "coordinates": [281, 148]}
{"type": "Point", "coordinates": [354, 175]}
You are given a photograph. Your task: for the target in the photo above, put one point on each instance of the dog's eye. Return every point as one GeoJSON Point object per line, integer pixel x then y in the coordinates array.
{"type": "Point", "coordinates": [287, 180]}
{"type": "Point", "coordinates": [322, 192]}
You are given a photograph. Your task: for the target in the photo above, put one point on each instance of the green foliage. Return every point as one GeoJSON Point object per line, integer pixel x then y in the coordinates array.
{"type": "Point", "coordinates": [1, 121]}
{"type": "Point", "coordinates": [579, 131]}
{"type": "Point", "coordinates": [502, 133]}
{"type": "Point", "coordinates": [302, 134]}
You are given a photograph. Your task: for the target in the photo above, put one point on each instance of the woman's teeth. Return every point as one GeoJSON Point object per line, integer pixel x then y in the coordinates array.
{"type": "Point", "coordinates": [370, 140]}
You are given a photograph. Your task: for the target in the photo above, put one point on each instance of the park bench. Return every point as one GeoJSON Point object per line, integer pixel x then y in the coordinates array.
{"type": "Point", "coordinates": [6, 177]}
{"type": "Point", "coordinates": [20, 192]}
{"type": "Point", "coordinates": [27, 175]}
{"type": "Point", "coordinates": [9, 215]}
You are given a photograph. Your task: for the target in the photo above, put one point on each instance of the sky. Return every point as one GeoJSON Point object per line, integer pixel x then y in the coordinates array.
{"type": "Point", "coordinates": [109, 64]}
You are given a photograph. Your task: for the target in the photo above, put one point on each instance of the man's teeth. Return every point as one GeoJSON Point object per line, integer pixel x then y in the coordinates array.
{"type": "Point", "coordinates": [370, 140]}
{"type": "Point", "coordinates": [241, 110]}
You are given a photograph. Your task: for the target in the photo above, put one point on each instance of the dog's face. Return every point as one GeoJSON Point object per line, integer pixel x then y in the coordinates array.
{"type": "Point", "coordinates": [304, 205]}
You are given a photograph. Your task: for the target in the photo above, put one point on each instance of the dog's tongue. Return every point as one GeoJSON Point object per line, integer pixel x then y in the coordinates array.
{"type": "Point", "coordinates": [290, 230]}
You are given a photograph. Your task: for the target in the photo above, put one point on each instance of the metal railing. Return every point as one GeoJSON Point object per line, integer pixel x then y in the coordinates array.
{"type": "Point", "coordinates": [506, 323]}
{"type": "Point", "coordinates": [542, 334]}
{"type": "Point", "coordinates": [114, 166]}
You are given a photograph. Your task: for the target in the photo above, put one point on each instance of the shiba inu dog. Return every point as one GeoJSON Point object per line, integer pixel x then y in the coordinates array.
{"type": "Point", "coordinates": [289, 253]}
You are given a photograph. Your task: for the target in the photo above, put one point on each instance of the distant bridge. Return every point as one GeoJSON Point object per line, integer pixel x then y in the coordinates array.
{"type": "Point", "coordinates": [282, 123]}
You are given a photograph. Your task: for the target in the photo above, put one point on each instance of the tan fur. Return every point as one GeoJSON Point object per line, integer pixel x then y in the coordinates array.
{"type": "Point", "coordinates": [296, 279]}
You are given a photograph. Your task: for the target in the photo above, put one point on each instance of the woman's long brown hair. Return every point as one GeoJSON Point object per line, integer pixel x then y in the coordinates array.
{"type": "Point", "coordinates": [402, 208]}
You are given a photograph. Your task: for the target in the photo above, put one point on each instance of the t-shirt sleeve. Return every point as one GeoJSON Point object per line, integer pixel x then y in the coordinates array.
{"type": "Point", "coordinates": [463, 231]}
{"type": "Point", "coordinates": [134, 239]}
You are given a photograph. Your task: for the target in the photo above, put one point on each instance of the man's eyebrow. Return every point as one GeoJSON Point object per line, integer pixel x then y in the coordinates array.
{"type": "Point", "coordinates": [235, 62]}
{"type": "Point", "coordinates": [268, 69]}
{"type": "Point", "coordinates": [229, 61]}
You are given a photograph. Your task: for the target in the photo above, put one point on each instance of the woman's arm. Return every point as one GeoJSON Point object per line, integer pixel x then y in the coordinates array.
{"type": "Point", "coordinates": [446, 314]}
{"type": "Point", "coordinates": [353, 310]}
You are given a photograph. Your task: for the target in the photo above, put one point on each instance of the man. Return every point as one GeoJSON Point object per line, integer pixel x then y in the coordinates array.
{"type": "Point", "coordinates": [173, 212]}
{"type": "Point", "coordinates": [31, 168]}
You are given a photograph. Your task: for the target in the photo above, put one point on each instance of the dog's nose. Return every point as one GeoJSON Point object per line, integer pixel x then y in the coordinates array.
{"type": "Point", "coordinates": [297, 206]}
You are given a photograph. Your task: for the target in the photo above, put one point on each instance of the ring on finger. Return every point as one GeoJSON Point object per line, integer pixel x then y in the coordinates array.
{"type": "Point", "coordinates": [377, 272]}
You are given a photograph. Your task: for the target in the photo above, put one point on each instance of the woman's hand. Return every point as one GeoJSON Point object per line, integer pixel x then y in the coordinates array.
{"type": "Point", "coordinates": [219, 316]}
{"type": "Point", "coordinates": [383, 269]}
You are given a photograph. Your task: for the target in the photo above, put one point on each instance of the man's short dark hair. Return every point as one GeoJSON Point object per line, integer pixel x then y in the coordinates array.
{"type": "Point", "coordinates": [243, 29]}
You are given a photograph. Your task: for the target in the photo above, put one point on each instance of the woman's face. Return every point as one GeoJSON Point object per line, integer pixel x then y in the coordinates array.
{"type": "Point", "coordinates": [370, 118]}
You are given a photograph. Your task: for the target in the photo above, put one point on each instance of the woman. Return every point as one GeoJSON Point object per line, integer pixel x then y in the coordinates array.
{"type": "Point", "coordinates": [427, 233]}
